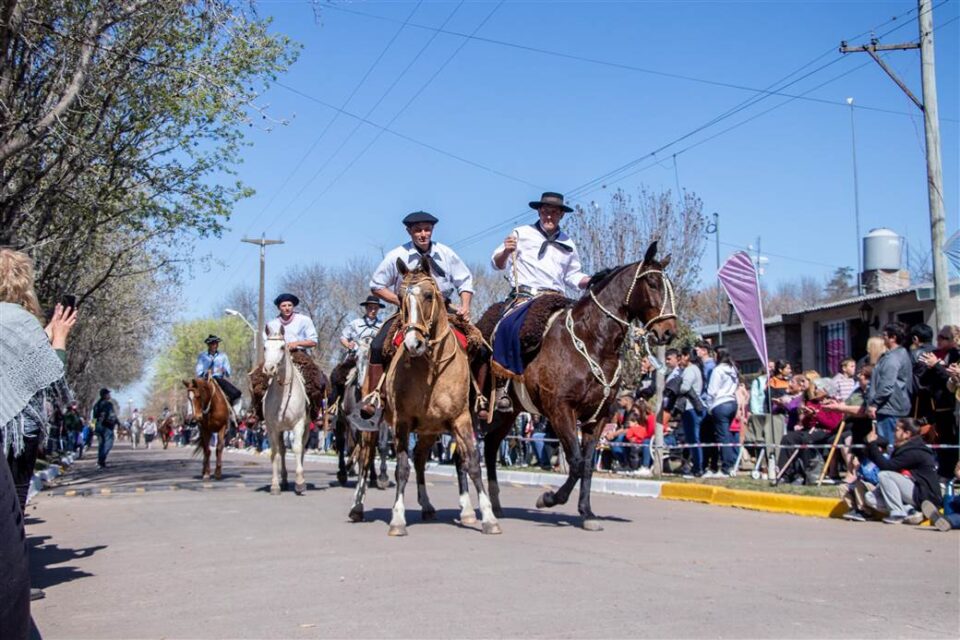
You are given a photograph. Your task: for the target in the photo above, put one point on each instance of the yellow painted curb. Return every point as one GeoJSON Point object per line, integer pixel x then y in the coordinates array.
{"type": "Point", "coordinates": [141, 490]}
{"type": "Point", "coordinates": [70, 493]}
{"type": "Point", "coordinates": [104, 492]}
{"type": "Point", "coordinates": [811, 506]}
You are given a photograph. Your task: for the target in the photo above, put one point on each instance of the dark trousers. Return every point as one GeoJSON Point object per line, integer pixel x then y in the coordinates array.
{"type": "Point", "coordinates": [104, 444]}
{"type": "Point", "coordinates": [376, 345]}
{"type": "Point", "coordinates": [806, 456]}
{"type": "Point", "coordinates": [21, 467]}
{"type": "Point", "coordinates": [14, 570]}
{"type": "Point", "coordinates": [233, 394]}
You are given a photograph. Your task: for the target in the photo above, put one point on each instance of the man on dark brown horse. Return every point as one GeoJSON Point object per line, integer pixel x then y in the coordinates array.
{"type": "Point", "coordinates": [446, 267]}
{"type": "Point", "coordinates": [543, 260]}
{"type": "Point", "coordinates": [300, 335]}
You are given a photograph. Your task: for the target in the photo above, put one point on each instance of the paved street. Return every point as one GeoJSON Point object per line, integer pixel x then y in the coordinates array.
{"type": "Point", "coordinates": [162, 554]}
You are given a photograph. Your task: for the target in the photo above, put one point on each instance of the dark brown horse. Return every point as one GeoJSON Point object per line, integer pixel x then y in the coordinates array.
{"type": "Point", "coordinates": [166, 430]}
{"type": "Point", "coordinates": [212, 413]}
{"type": "Point", "coordinates": [574, 377]}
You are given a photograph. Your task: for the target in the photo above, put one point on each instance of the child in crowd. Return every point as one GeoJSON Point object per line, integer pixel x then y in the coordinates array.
{"type": "Point", "coordinates": [950, 519]}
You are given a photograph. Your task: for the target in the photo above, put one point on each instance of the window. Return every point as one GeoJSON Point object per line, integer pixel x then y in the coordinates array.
{"type": "Point", "coordinates": [832, 347]}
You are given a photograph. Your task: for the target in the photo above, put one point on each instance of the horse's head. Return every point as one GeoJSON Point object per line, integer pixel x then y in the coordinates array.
{"type": "Point", "coordinates": [421, 307]}
{"type": "Point", "coordinates": [650, 297]}
{"type": "Point", "coordinates": [274, 349]}
{"type": "Point", "coordinates": [195, 396]}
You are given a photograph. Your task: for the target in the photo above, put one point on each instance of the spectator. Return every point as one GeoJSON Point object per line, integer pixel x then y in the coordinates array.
{"type": "Point", "coordinates": [647, 388]}
{"type": "Point", "coordinates": [722, 404]}
{"type": "Point", "coordinates": [891, 383]}
{"type": "Point", "coordinates": [149, 431]}
{"type": "Point", "coordinates": [32, 383]}
{"type": "Point", "coordinates": [951, 506]}
{"type": "Point", "coordinates": [105, 415]}
{"type": "Point", "coordinates": [707, 362]}
{"type": "Point", "coordinates": [73, 425]}
{"type": "Point", "coordinates": [933, 399]}
{"type": "Point", "coordinates": [875, 349]}
{"type": "Point", "coordinates": [691, 388]}
{"type": "Point", "coordinates": [921, 340]}
{"type": "Point", "coordinates": [641, 426]}
{"type": "Point", "coordinates": [857, 423]}
{"type": "Point", "coordinates": [615, 433]}
{"type": "Point", "coordinates": [898, 494]}
{"type": "Point", "coordinates": [758, 391]}
{"type": "Point", "coordinates": [846, 379]}
{"type": "Point", "coordinates": [791, 402]}
{"type": "Point", "coordinates": [818, 424]}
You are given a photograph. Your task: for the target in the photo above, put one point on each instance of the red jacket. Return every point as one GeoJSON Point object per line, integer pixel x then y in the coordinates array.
{"type": "Point", "coordinates": [641, 432]}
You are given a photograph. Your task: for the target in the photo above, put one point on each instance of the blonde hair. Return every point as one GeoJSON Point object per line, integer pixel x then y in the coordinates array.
{"type": "Point", "coordinates": [16, 281]}
{"type": "Point", "coordinates": [875, 348]}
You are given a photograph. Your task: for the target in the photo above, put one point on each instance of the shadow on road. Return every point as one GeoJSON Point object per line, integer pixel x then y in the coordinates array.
{"type": "Point", "coordinates": [43, 556]}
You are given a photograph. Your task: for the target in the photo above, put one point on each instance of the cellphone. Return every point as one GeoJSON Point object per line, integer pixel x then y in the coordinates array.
{"type": "Point", "coordinates": [69, 301]}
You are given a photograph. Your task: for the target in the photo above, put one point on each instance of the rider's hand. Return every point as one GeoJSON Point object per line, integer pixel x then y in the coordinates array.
{"type": "Point", "coordinates": [353, 345]}
{"type": "Point", "coordinates": [509, 245]}
{"type": "Point", "coordinates": [464, 312]}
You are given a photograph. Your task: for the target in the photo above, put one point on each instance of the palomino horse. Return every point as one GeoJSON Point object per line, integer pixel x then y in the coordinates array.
{"type": "Point", "coordinates": [575, 374]}
{"type": "Point", "coordinates": [427, 392]}
{"type": "Point", "coordinates": [350, 426]}
{"type": "Point", "coordinates": [212, 412]}
{"type": "Point", "coordinates": [284, 409]}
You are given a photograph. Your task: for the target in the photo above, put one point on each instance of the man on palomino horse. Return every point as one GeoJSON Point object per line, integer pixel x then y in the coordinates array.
{"type": "Point", "coordinates": [217, 365]}
{"type": "Point", "coordinates": [446, 267]}
{"type": "Point", "coordinates": [300, 335]}
{"type": "Point", "coordinates": [543, 260]}
{"type": "Point", "coordinates": [365, 327]}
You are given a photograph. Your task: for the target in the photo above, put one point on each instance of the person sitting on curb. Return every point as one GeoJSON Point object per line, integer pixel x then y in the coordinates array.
{"type": "Point", "coordinates": [897, 494]}
{"type": "Point", "coordinates": [950, 518]}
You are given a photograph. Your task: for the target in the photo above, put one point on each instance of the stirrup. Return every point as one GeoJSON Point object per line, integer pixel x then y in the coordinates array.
{"type": "Point", "coordinates": [504, 404]}
{"type": "Point", "coordinates": [371, 402]}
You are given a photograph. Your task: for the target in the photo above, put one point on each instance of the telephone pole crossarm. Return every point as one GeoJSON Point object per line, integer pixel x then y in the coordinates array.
{"type": "Point", "coordinates": [872, 49]}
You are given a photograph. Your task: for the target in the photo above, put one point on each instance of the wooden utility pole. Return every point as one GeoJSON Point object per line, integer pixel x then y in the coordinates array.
{"type": "Point", "coordinates": [262, 242]}
{"type": "Point", "coordinates": [931, 127]}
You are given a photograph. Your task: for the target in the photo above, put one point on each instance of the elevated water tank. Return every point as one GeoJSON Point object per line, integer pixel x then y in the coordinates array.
{"type": "Point", "coordinates": [881, 250]}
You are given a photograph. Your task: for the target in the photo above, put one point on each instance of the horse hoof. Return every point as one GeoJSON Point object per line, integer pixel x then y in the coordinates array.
{"type": "Point", "coordinates": [284, 486]}
{"type": "Point", "coordinates": [275, 491]}
{"type": "Point", "coordinates": [356, 514]}
{"type": "Point", "coordinates": [299, 488]}
{"type": "Point", "coordinates": [498, 512]}
{"type": "Point", "coordinates": [218, 476]}
{"type": "Point", "coordinates": [545, 501]}
{"type": "Point", "coordinates": [468, 518]}
{"type": "Point", "coordinates": [397, 530]}
{"type": "Point", "coordinates": [342, 479]}
{"type": "Point", "coordinates": [383, 483]}
{"type": "Point", "coordinates": [592, 525]}
{"type": "Point", "coordinates": [492, 528]}
{"type": "Point", "coordinates": [205, 476]}
{"type": "Point", "coordinates": [429, 514]}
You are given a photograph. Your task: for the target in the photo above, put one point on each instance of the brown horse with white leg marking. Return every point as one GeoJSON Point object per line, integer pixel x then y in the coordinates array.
{"type": "Point", "coordinates": [574, 376]}
{"type": "Point", "coordinates": [212, 412]}
{"type": "Point", "coordinates": [427, 392]}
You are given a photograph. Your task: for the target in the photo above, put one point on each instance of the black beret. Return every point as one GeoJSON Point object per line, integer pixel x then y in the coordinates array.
{"type": "Point", "coordinates": [286, 297]}
{"type": "Point", "coordinates": [419, 216]}
{"type": "Point", "coordinates": [212, 338]}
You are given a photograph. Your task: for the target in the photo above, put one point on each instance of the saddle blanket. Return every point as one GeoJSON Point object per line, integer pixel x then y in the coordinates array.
{"type": "Point", "coordinates": [506, 340]}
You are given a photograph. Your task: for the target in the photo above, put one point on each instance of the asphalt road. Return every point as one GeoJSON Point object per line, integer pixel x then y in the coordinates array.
{"type": "Point", "coordinates": [146, 549]}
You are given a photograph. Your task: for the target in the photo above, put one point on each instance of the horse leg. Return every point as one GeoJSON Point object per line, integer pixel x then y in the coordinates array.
{"type": "Point", "coordinates": [365, 450]}
{"type": "Point", "coordinates": [467, 448]}
{"type": "Point", "coordinates": [205, 443]}
{"type": "Point", "coordinates": [282, 445]}
{"type": "Point", "coordinates": [398, 523]}
{"type": "Point", "coordinates": [566, 429]}
{"type": "Point", "coordinates": [276, 441]}
{"type": "Point", "coordinates": [588, 449]}
{"type": "Point", "coordinates": [420, 454]}
{"type": "Point", "coordinates": [383, 444]}
{"type": "Point", "coordinates": [221, 438]}
{"type": "Point", "coordinates": [467, 513]}
{"type": "Point", "coordinates": [491, 445]}
{"type": "Point", "coordinates": [300, 435]}
{"type": "Point", "coordinates": [340, 440]}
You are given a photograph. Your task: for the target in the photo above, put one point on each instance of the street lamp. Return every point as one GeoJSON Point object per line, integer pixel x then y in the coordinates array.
{"type": "Point", "coordinates": [237, 314]}
{"type": "Point", "coordinates": [713, 228]}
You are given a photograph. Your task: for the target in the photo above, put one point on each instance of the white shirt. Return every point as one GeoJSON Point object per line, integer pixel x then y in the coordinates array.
{"type": "Point", "coordinates": [456, 278]}
{"type": "Point", "coordinates": [722, 387]}
{"type": "Point", "coordinates": [555, 270]}
{"type": "Point", "coordinates": [360, 328]}
{"type": "Point", "coordinates": [150, 428]}
{"type": "Point", "coordinates": [299, 328]}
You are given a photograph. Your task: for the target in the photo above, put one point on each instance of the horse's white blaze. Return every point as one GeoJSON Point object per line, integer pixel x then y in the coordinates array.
{"type": "Point", "coordinates": [410, 338]}
{"type": "Point", "coordinates": [486, 508]}
{"type": "Point", "coordinates": [399, 513]}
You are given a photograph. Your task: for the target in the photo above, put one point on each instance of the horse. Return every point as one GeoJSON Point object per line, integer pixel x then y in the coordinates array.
{"type": "Point", "coordinates": [166, 430]}
{"type": "Point", "coordinates": [212, 412]}
{"type": "Point", "coordinates": [349, 425]}
{"type": "Point", "coordinates": [576, 372]}
{"type": "Point", "coordinates": [427, 392]}
{"type": "Point", "coordinates": [284, 409]}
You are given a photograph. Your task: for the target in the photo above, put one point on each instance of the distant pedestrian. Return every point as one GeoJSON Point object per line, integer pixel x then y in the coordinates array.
{"type": "Point", "coordinates": [149, 431]}
{"type": "Point", "coordinates": [105, 415]}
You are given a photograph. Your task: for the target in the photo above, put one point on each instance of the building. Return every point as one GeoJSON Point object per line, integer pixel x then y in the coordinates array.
{"type": "Point", "coordinates": [822, 336]}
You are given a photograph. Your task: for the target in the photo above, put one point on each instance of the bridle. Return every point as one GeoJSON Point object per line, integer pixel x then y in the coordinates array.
{"type": "Point", "coordinates": [409, 313]}
{"type": "Point", "coordinates": [285, 380]}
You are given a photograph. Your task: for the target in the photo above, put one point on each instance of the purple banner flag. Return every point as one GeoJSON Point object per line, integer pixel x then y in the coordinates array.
{"type": "Point", "coordinates": [738, 276]}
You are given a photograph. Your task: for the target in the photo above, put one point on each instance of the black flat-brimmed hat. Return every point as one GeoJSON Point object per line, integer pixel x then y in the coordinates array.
{"type": "Point", "coordinates": [211, 339]}
{"type": "Point", "coordinates": [371, 299]}
{"type": "Point", "coordinates": [553, 199]}
{"type": "Point", "coordinates": [286, 297]}
{"type": "Point", "coordinates": [419, 216]}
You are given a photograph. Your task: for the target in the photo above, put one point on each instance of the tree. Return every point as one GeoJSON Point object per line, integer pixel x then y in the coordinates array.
{"type": "Point", "coordinates": [840, 285]}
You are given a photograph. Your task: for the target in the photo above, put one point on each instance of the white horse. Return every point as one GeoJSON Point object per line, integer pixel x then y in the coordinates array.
{"type": "Point", "coordinates": [284, 409]}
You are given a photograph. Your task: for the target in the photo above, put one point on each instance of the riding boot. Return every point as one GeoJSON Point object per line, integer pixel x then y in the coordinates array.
{"type": "Point", "coordinates": [374, 371]}
{"type": "Point", "coordinates": [482, 372]}
{"type": "Point", "coordinates": [504, 404]}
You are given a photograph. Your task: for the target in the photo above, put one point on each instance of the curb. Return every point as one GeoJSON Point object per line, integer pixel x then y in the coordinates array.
{"type": "Point", "coordinates": [810, 506]}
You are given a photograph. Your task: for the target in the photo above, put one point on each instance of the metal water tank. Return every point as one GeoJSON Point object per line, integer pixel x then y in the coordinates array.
{"type": "Point", "coordinates": [882, 249]}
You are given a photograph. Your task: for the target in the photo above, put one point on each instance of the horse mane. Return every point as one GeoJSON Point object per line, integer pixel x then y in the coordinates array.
{"type": "Point", "coordinates": [599, 286]}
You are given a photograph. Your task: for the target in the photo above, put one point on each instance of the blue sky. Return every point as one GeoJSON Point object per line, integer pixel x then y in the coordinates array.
{"type": "Point", "coordinates": [546, 122]}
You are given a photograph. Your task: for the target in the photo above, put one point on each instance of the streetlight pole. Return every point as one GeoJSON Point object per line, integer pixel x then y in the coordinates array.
{"type": "Point", "coordinates": [256, 334]}
{"type": "Point", "coordinates": [856, 200]}
{"type": "Point", "coordinates": [262, 242]}
{"type": "Point", "coordinates": [714, 228]}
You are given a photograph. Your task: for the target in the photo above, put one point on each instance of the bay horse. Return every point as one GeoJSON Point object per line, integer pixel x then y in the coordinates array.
{"type": "Point", "coordinates": [284, 409]}
{"type": "Point", "coordinates": [166, 430]}
{"type": "Point", "coordinates": [575, 374]}
{"type": "Point", "coordinates": [427, 392]}
{"type": "Point", "coordinates": [212, 412]}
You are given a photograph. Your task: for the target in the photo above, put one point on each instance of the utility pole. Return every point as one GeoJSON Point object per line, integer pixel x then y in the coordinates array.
{"type": "Point", "coordinates": [714, 228]}
{"type": "Point", "coordinates": [856, 200]}
{"type": "Point", "coordinates": [931, 127]}
{"type": "Point", "coordinates": [262, 242]}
